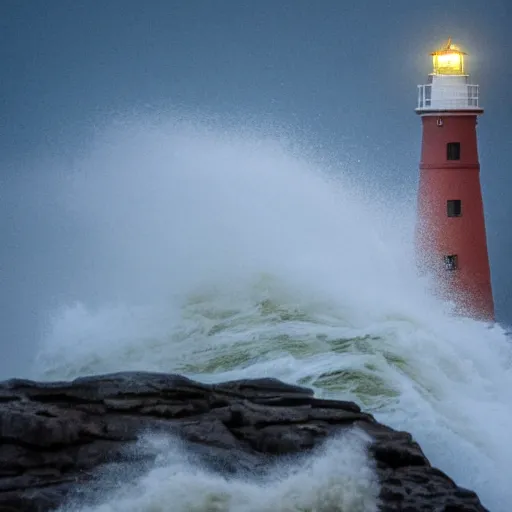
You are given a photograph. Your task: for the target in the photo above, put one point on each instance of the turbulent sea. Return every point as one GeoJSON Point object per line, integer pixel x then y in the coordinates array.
{"type": "Point", "coordinates": [221, 256]}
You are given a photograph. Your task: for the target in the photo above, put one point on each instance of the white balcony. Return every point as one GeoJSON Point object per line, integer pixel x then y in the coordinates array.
{"type": "Point", "coordinates": [442, 95]}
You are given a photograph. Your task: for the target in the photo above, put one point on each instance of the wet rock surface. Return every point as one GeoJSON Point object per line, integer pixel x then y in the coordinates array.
{"type": "Point", "coordinates": [59, 438]}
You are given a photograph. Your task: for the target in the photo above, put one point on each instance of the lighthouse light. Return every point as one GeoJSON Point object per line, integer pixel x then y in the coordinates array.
{"type": "Point", "coordinates": [448, 60]}
{"type": "Point", "coordinates": [448, 64]}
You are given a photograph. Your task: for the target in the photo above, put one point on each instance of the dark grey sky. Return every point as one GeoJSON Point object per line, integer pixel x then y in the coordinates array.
{"type": "Point", "coordinates": [343, 75]}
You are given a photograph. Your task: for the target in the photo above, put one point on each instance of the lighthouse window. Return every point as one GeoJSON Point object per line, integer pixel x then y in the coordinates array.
{"type": "Point", "coordinates": [450, 262]}
{"type": "Point", "coordinates": [453, 151]}
{"type": "Point", "coordinates": [454, 207]}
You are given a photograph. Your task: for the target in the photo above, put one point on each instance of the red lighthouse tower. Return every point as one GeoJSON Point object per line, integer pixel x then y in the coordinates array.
{"type": "Point", "coordinates": [450, 232]}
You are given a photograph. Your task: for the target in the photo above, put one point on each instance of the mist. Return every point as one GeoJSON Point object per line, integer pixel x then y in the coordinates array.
{"type": "Point", "coordinates": [155, 204]}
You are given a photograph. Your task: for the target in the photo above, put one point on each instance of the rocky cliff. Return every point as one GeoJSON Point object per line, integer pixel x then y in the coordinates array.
{"type": "Point", "coordinates": [57, 438]}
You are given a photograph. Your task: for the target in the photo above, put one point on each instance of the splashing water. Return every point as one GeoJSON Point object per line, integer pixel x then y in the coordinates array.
{"type": "Point", "coordinates": [222, 256]}
{"type": "Point", "coordinates": [338, 478]}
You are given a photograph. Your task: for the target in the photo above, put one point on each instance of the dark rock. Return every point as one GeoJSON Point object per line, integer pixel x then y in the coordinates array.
{"type": "Point", "coordinates": [61, 437]}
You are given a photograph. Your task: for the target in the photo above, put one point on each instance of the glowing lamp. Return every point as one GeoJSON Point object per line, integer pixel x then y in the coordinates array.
{"type": "Point", "coordinates": [448, 60]}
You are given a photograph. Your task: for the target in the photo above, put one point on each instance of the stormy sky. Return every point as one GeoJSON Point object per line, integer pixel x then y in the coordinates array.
{"type": "Point", "coordinates": [342, 75]}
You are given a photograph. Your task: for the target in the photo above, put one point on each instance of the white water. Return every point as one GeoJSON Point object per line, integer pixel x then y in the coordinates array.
{"type": "Point", "coordinates": [222, 255]}
{"type": "Point", "coordinates": [339, 477]}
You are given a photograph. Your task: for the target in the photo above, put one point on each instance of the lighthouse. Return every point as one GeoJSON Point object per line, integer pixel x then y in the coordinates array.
{"type": "Point", "coordinates": [450, 228]}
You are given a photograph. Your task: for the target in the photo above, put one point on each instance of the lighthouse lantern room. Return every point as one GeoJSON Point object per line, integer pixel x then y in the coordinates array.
{"type": "Point", "coordinates": [450, 232]}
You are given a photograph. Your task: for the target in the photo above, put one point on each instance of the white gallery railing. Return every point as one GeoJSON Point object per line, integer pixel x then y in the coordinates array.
{"type": "Point", "coordinates": [447, 96]}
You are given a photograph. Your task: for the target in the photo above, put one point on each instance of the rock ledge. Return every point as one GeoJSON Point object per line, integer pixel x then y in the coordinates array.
{"type": "Point", "coordinates": [57, 437]}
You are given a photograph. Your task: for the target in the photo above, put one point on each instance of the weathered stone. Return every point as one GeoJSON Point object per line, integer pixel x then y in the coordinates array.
{"type": "Point", "coordinates": [62, 437]}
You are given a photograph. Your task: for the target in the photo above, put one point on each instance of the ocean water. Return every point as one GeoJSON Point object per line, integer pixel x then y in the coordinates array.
{"type": "Point", "coordinates": [222, 254]}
